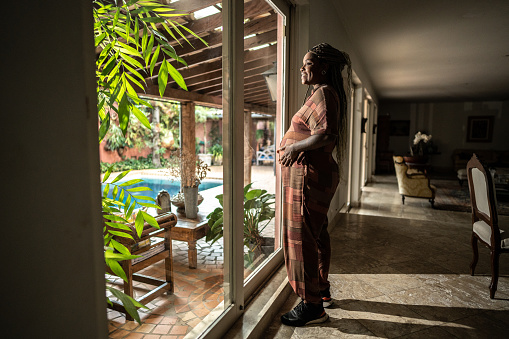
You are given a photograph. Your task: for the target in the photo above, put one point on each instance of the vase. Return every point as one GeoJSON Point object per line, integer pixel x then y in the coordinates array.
{"type": "Point", "coordinates": [416, 159]}
{"type": "Point", "coordinates": [191, 202]}
{"type": "Point", "coordinates": [179, 202]}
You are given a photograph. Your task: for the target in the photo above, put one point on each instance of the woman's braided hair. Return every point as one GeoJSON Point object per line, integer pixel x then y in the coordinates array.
{"type": "Point", "coordinates": [337, 61]}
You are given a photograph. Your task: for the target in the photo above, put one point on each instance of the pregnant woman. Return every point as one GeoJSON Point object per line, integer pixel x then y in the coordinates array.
{"type": "Point", "coordinates": [310, 178]}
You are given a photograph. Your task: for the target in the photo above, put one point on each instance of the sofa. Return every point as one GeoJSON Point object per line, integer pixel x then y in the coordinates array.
{"type": "Point", "coordinates": [489, 157]}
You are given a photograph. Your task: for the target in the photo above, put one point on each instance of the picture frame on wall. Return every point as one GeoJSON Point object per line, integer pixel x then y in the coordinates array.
{"type": "Point", "coordinates": [399, 128]}
{"type": "Point", "coordinates": [480, 128]}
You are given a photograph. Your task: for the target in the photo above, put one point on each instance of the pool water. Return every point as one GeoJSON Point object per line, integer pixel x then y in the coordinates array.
{"type": "Point", "coordinates": [158, 184]}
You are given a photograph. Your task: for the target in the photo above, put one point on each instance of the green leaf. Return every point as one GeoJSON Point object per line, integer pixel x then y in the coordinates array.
{"type": "Point", "coordinates": [121, 234]}
{"type": "Point", "coordinates": [153, 19]}
{"type": "Point", "coordinates": [253, 194]}
{"type": "Point", "coordinates": [154, 59]}
{"type": "Point", "coordinates": [141, 117]}
{"type": "Point", "coordinates": [105, 126]}
{"type": "Point", "coordinates": [162, 79]}
{"type": "Point", "coordinates": [129, 303]}
{"type": "Point", "coordinates": [137, 84]}
{"type": "Point", "coordinates": [148, 51]}
{"type": "Point", "coordinates": [139, 189]}
{"type": "Point", "coordinates": [119, 247]}
{"type": "Point", "coordinates": [131, 182]}
{"type": "Point", "coordinates": [146, 204]}
{"type": "Point", "coordinates": [107, 174]}
{"type": "Point", "coordinates": [120, 176]}
{"type": "Point", "coordinates": [139, 222]}
{"type": "Point", "coordinates": [106, 188]}
{"type": "Point", "coordinates": [126, 49]}
{"type": "Point", "coordinates": [123, 115]}
{"type": "Point", "coordinates": [176, 76]}
{"type": "Point", "coordinates": [114, 218]}
{"type": "Point", "coordinates": [130, 60]}
{"type": "Point", "coordinates": [99, 39]}
{"type": "Point", "coordinates": [115, 268]}
{"type": "Point", "coordinates": [115, 19]}
{"type": "Point", "coordinates": [119, 226]}
{"type": "Point", "coordinates": [150, 219]}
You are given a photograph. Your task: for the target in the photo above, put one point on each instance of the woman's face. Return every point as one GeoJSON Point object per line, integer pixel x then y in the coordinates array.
{"type": "Point", "coordinates": [311, 70]}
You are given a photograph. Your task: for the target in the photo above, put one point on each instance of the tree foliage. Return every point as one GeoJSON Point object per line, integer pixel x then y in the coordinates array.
{"type": "Point", "coordinates": [130, 45]}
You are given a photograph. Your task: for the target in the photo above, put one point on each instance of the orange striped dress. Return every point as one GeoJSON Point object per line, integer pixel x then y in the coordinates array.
{"type": "Point", "coordinates": [308, 187]}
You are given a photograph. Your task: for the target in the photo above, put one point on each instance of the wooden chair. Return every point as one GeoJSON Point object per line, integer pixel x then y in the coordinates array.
{"type": "Point", "coordinates": [485, 219]}
{"type": "Point", "coordinates": [154, 246]}
{"type": "Point", "coordinates": [412, 183]}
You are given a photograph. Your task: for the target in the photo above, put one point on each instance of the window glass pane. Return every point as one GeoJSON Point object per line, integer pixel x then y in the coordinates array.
{"type": "Point", "coordinates": [262, 104]}
{"type": "Point", "coordinates": [186, 126]}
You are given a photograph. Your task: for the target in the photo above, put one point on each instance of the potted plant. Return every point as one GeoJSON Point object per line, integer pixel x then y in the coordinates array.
{"type": "Point", "coordinates": [418, 150]}
{"type": "Point", "coordinates": [189, 181]}
{"type": "Point", "coordinates": [217, 154]}
{"type": "Point", "coordinates": [258, 212]}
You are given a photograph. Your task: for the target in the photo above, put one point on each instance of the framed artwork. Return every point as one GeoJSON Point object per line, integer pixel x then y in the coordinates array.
{"type": "Point", "coordinates": [480, 128]}
{"type": "Point", "coordinates": [399, 128]}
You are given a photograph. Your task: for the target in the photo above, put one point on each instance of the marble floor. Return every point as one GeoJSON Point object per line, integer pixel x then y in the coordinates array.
{"type": "Point", "coordinates": [402, 271]}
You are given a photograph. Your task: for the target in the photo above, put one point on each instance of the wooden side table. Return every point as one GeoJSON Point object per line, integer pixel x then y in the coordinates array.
{"type": "Point", "coordinates": [190, 230]}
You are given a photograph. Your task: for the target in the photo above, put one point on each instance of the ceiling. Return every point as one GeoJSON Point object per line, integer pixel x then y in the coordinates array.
{"type": "Point", "coordinates": [431, 50]}
{"type": "Point", "coordinates": [203, 73]}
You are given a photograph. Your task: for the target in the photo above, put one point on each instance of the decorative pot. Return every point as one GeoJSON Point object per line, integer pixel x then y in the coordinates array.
{"type": "Point", "coordinates": [178, 201]}
{"type": "Point", "coordinates": [191, 201]}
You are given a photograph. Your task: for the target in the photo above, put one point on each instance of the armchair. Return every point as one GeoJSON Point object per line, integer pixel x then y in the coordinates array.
{"type": "Point", "coordinates": [412, 183]}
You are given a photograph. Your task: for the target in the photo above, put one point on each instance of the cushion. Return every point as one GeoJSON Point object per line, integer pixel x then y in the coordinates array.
{"type": "Point", "coordinates": [483, 230]}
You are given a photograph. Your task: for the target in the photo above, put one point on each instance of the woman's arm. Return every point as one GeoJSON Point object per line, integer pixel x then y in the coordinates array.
{"type": "Point", "coordinates": [313, 142]}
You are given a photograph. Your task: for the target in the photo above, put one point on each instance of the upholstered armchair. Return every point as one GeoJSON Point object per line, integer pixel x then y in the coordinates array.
{"type": "Point", "coordinates": [412, 183]}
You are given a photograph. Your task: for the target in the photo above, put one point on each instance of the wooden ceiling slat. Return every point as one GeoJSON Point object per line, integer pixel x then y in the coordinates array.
{"type": "Point", "coordinates": [256, 26]}
{"type": "Point", "coordinates": [218, 88]}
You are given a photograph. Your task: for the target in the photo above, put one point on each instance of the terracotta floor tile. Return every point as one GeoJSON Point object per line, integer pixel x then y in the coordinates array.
{"type": "Point", "coordinates": [168, 321]}
{"type": "Point", "coordinates": [169, 337]}
{"type": "Point", "coordinates": [201, 312]}
{"type": "Point", "coordinates": [130, 325]}
{"type": "Point", "coordinates": [119, 334]}
{"type": "Point", "coordinates": [145, 328]}
{"type": "Point", "coordinates": [192, 323]}
{"type": "Point", "coordinates": [162, 329]}
{"type": "Point", "coordinates": [182, 308]}
{"type": "Point", "coordinates": [135, 336]}
{"type": "Point", "coordinates": [152, 336]}
{"type": "Point", "coordinates": [153, 319]}
{"type": "Point", "coordinates": [179, 329]}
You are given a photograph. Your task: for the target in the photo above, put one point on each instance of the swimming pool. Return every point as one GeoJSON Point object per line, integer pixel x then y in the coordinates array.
{"type": "Point", "coordinates": [158, 184]}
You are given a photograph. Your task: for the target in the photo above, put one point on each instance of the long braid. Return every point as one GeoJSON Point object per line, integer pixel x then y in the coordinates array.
{"type": "Point", "coordinates": [337, 61]}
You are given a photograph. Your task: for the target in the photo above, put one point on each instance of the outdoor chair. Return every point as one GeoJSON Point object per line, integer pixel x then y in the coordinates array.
{"type": "Point", "coordinates": [485, 219]}
{"type": "Point", "coordinates": [413, 183]}
{"type": "Point", "coordinates": [154, 245]}
{"type": "Point", "coordinates": [268, 154]}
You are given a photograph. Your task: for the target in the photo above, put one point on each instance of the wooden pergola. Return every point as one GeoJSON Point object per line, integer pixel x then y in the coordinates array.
{"type": "Point", "coordinates": [203, 75]}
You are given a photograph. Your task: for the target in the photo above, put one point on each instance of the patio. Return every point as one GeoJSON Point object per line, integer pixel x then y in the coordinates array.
{"type": "Point", "coordinates": [197, 291]}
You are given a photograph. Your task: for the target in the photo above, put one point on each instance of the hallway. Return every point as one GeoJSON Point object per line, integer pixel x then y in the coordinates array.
{"type": "Point", "coordinates": [402, 271]}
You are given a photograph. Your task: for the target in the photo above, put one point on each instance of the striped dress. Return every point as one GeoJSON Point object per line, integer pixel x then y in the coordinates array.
{"type": "Point", "coordinates": [308, 187]}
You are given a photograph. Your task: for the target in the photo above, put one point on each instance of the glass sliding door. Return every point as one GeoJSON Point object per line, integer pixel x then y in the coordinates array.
{"type": "Point", "coordinates": [264, 97]}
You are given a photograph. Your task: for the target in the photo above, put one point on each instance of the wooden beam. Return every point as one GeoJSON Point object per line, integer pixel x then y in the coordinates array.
{"type": "Point", "coordinates": [207, 72]}
{"type": "Point", "coordinates": [214, 90]}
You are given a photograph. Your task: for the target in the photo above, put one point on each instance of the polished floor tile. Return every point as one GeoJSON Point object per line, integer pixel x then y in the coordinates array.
{"type": "Point", "coordinates": [402, 271]}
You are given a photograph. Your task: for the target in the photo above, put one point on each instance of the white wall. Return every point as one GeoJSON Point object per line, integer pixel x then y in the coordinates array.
{"type": "Point", "coordinates": [447, 122]}
{"type": "Point", "coordinates": [325, 25]}
{"type": "Point", "coordinates": [53, 269]}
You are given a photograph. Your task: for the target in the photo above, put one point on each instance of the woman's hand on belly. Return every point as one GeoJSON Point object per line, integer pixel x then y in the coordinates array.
{"type": "Point", "coordinates": [289, 156]}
